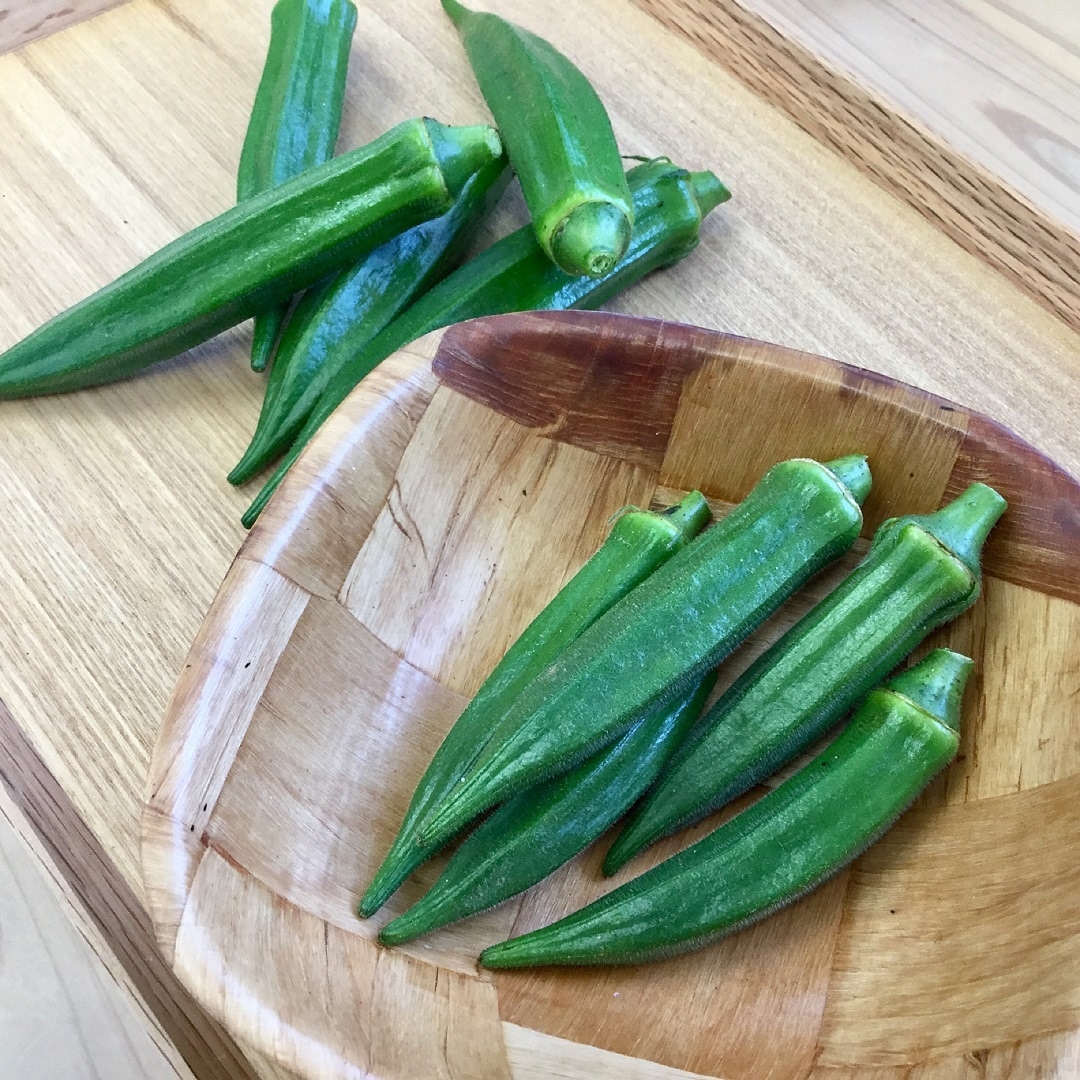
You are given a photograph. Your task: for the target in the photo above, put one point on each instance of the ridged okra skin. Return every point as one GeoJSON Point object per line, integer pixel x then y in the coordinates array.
{"type": "Point", "coordinates": [920, 572]}
{"type": "Point", "coordinates": [296, 113]}
{"type": "Point", "coordinates": [559, 140]}
{"type": "Point", "coordinates": [536, 831]}
{"type": "Point", "coordinates": [336, 320]}
{"type": "Point", "coordinates": [780, 848]}
{"type": "Point", "coordinates": [514, 274]}
{"type": "Point", "coordinates": [682, 621]}
{"type": "Point", "coordinates": [638, 543]}
{"type": "Point", "coordinates": [255, 254]}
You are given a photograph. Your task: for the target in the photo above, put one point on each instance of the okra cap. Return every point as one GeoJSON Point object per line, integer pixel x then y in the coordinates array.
{"type": "Point", "coordinates": [853, 472]}
{"type": "Point", "coordinates": [709, 191]}
{"type": "Point", "coordinates": [462, 151]}
{"type": "Point", "coordinates": [936, 685]}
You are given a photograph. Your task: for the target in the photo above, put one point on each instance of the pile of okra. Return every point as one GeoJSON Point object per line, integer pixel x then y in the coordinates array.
{"type": "Point", "coordinates": [343, 260]}
{"type": "Point", "coordinates": [596, 714]}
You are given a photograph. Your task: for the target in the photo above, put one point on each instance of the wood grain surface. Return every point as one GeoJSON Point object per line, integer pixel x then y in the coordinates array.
{"type": "Point", "coordinates": [998, 80]}
{"type": "Point", "coordinates": [123, 131]}
{"type": "Point", "coordinates": [23, 21]}
{"type": "Point", "coordinates": [278, 789]}
{"type": "Point", "coordinates": [1034, 249]}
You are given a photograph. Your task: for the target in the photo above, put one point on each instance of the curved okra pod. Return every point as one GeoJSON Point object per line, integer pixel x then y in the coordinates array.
{"type": "Point", "coordinates": [336, 320]}
{"type": "Point", "coordinates": [296, 113]}
{"type": "Point", "coordinates": [638, 543]}
{"type": "Point", "coordinates": [249, 258]}
{"type": "Point", "coordinates": [539, 829]}
{"type": "Point", "coordinates": [514, 274]}
{"type": "Point", "coordinates": [559, 140]}
{"type": "Point", "coordinates": [781, 847]}
{"type": "Point", "coordinates": [920, 572]}
{"type": "Point", "coordinates": [675, 626]}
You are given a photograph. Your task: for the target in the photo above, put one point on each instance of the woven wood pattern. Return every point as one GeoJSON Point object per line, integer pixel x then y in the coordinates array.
{"type": "Point", "coordinates": [445, 502]}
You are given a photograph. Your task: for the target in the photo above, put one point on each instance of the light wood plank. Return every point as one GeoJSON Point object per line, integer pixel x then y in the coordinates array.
{"type": "Point", "coordinates": [23, 21]}
{"type": "Point", "coordinates": [999, 80]}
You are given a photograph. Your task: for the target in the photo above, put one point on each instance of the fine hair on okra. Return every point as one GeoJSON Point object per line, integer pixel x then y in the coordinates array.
{"type": "Point", "coordinates": [335, 320]}
{"type": "Point", "coordinates": [559, 140]}
{"type": "Point", "coordinates": [920, 572]}
{"type": "Point", "coordinates": [780, 848]}
{"type": "Point", "coordinates": [296, 114]}
{"type": "Point", "coordinates": [539, 829]}
{"type": "Point", "coordinates": [514, 274]}
{"type": "Point", "coordinates": [638, 543]}
{"type": "Point", "coordinates": [254, 255]}
{"type": "Point", "coordinates": [678, 624]}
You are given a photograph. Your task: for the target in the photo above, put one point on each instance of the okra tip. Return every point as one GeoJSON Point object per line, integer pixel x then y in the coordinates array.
{"type": "Point", "coordinates": [591, 239]}
{"type": "Point", "coordinates": [853, 472]}
{"type": "Point", "coordinates": [463, 151]}
{"type": "Point", "coordinates": [936, 685]}
{"type": "Point", "coordinates": [963, 525]}
{"type": "Point", "coordinates": [709, 191]}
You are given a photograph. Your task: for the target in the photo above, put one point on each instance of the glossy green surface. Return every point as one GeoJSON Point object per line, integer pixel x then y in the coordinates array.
{"type": "Point", "coordinates": [335, 320]}
{"type": "Point", "coordinates": [784, 845]}
{"type": "Point", "coordinates": [296, 113]}
{"type": "Point", "coordinates": [559, 140]}
{"type": "Point", "coordinates": [254, 255]}
{"type": "Point", "coordinates": [515, 275]}
{"type": "Point", "coordinates": [535, 832]}
{"type": "Point", "coordinates": [638, 543]}
{"type": "Point", "coordinates": [908, 584]}
{"type": "Point", "coordinates": [678, 624]}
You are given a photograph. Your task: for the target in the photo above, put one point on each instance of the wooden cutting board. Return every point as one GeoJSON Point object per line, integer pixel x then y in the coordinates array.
{"type": "Point", "coordinates": [117, 526]}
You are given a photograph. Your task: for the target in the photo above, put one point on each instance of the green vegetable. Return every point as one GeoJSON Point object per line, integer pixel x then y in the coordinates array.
{"type": "Point", "coordinates": [296, 114]}
{"type": "Point", "coordinates": [251, 257]}
{"type": "Point", "coordinates": [539, 829]}
{"type": "Point", "coordinates": [515, 275]}
{"type": "Point", "coordinates": [639, 542]}
{"type": "Point", "coordinates": [335, 321]}
{"type": "Point", "coordinates": [668, 632]}
{"type": "Point", "coordinates": [920, 572]}
{"type": "Point", "coordinates": [783, 846]}
{"type": "Point", "coordinates": [559, 141]}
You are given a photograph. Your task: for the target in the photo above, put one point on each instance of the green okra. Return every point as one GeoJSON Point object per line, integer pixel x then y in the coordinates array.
{"type": "Point", "coordinates": [780, 848]}
{"type": "Point", "coordinates": [249, 258]}
{"type": "Point", "coordinates": [539, 829]}
{"type": "Point", "coordinates": [920, 572]}
{"type": "Point", "coordinates": [638, 543]}
{"type": "Point", "coordinates": [559, 140]}
{"type": "Point", "coordinates": [679, 623]}
{"type": "Point", "coordinates": [296, 114]}
{"type": "Point", "coordinates": [514, 274]}
{"type": "Point", "coordinates": [336, 320]}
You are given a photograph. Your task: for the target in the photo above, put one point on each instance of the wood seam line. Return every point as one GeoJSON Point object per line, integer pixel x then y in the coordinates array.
{"type": "Point", "coordinates": [209, 1051]}
{"type": "Point", "coordinates": [57, 15]}
{"type": "Point", "coordinates": [981, 213]}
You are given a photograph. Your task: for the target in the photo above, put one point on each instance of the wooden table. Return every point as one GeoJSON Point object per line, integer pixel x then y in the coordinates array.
{"type": "Point", "coordinates": [117, 525]}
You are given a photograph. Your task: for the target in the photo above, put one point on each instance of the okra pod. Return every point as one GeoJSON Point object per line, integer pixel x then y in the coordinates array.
{"type": "Point", "coordinates": [296, 114]}
{"type": "Point", "coordinates": [336, 320]}
{"type": "Point", "coordinates": [638, 543]}
{"type": "Point", "coordinates": [780, 848]}
{"type": "Point", "coordinates": [920, 572]}
{"type": "Point", "coordinates": [542, 827]}
{"type": "Point", "coordinates": [559, 140]}
{"type": "Point", "coordinates": [514, 274]}
{"type": "Point", "coordinates": [249, 258]}
{"type": "Point", "coordinates": [675, 626]}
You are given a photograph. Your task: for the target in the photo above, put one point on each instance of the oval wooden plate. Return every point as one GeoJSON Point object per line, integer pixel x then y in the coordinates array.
{"type": "Point", "coordinates": [445, 502]}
